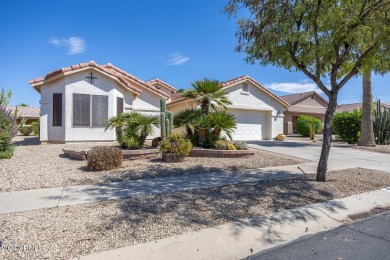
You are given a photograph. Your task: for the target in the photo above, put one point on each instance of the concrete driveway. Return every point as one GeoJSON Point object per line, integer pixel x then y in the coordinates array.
{"type": "Point", "coordinates": [339, 158]}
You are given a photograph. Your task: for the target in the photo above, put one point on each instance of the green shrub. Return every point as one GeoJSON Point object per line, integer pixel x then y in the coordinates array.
{"type": "Point", "coordinates": [102, 158]}
{"type": "Point", "coordinates": [241, 145]}
{"type": "Point", "coordinates": [8, 125]}
{"type": "Point", "coordinates": [303, 125]}
{"type": "Point", "coordinates": [26, 130]}
{"type": "Point", "coordinates": [35, 128]}
{"type": "Point", "coordinates": [347, 126]}
{"type": "Point", "coordinates": [231, 147]}
{"type": "Point", "coordinates": [177, 144]}
{"type": "Point", "coordinates": [7, 153]}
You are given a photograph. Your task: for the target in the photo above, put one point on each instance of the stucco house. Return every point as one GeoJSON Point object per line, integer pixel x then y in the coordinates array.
{"type": "Point", "coordinates": [306, 103]}
{"type": "Point", "coordinates": [258, 111]}
{"type": "Point", "coordinates": [76, 101]}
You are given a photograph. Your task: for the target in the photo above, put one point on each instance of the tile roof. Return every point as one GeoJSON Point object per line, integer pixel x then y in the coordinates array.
{"type": "Point", "coordinates": [126, 79]}
{"type": "Point", "coordinates": [348, 107]}
{"type": "Point", "coordinates": [128, 76]}
{"type": "Point", "coordinates": [357, 106]}
{"type": "Point", "coordinates": [293, 99]}
{"type": "Point", "coordinates": [307, 110]}
{"type": "Point", "coordinates": [226, 84]}
{"type": "Point", "coordinates": [26, 111]}
{"type": "Point", "coordinates": [159, 81]}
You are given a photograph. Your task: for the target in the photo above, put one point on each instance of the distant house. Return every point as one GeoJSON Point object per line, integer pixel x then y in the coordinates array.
{"type": "Point", "coordinates": [76, 101]}
{"type": "Point", "coordinates": [28, 114]}
{"type": "Point", "coordinates": [306, 103]}
{"type": "Point", "coordinates": [356, 106]}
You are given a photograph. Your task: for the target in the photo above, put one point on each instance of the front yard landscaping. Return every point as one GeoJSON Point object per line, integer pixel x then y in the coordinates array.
{"type": "Point", "coordinates": [36, 166]}
{"type": "Point", "coordinates": [71, 231]}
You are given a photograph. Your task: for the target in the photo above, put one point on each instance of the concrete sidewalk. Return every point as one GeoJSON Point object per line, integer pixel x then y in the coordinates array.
{"type": "Point", "coordinates": [241, 239]}
{"type": "Point", "coordinates": [62, 196]}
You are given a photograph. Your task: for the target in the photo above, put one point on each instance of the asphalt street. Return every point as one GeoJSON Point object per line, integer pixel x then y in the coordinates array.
{"type": "Point", "coordinates": [364, 239]}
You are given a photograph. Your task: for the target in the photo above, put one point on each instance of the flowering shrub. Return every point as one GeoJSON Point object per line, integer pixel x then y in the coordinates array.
{"type": "Point", "coordinates": [8, 126]}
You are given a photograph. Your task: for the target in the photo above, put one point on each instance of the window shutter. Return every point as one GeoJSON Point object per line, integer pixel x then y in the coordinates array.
{"type": "Point", "coordinates": [99, 110]}
{"type": "Point", "coordinates": [81, 110]}
{"type": "Point", "coordinates": [119, 105]}
{"type": "Point", "coordinates": [57, 109]}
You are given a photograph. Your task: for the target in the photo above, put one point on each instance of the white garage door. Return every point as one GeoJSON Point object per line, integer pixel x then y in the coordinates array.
{"type": "Point", "coordinates": [251, 125]}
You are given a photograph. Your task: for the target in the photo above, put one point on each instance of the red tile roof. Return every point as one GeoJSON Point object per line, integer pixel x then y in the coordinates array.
{"type": "Point", "coordinates": [293, 99]}
{"type": "Point", "coordinates": [161, 82]}
{"type": "Point", "coordinates": [26, 111]}
{"type": "Point", "coordinates": [226, 84]}
{"type": "Point", "coordinates": [128, 76]}
{"type": "Point", "coordinates": [126, 79]}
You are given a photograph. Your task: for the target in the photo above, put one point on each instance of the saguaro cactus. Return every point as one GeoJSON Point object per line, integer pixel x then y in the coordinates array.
{"type": "Point", "coordinates": [381, 120]}
{"type": "Point", "coordinates": [166, 119]}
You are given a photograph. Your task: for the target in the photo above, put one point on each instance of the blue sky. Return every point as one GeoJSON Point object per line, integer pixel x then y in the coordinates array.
{"type": "Point", "coordinates": [176, 41]}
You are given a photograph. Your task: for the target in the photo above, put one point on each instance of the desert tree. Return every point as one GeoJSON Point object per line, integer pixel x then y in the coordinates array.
{"type": "Point", "coordinates": [326, 40]}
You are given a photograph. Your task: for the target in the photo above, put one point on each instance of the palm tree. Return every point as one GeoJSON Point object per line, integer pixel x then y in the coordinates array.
{"type": "Point", "coordinates": [143, 124]}
{"type": "Point", "coordinates": [208, 94]}
{"type": "Point", "coordinates": [187, 119]}
{"type": "Point", "coordinates": [367, 128]}
{"type": "Point", "coordinates": [117, 122]}
{"type": "Point", "coordinates": [223, 121]}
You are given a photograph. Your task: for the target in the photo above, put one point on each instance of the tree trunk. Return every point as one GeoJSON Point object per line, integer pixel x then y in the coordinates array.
{"type": "Point", "coordinates": [327, 139]}
{"type": "Point", "coordinates": [205, 106]}
{"type": "Point", "coordinates": [367, 127]}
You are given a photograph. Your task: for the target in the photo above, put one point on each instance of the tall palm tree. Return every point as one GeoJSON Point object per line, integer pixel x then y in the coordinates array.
{"type": "Point", "coordinates": [208, 94]}
{"type": "Point", "coordinates": [367, 128]}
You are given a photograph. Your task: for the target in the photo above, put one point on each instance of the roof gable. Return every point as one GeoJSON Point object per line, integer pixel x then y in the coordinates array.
{"type": "Point", "coordinates": [125, 79]}
{"type": "Point", "coordinates": [158, 81]}
{"type": "Point", "coordinates": [293, 99]}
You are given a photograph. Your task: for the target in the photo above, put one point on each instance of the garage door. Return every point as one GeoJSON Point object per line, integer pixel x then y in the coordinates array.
{"type": "Point", "coordinates": [251, 125]}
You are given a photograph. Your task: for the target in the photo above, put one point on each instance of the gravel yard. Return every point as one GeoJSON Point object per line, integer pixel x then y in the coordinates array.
{"type": "Point", "coordinates": [42, 166]}
{"type": "Point", "coordinates": [338, 143]}
{"type": "Point", "coordinates": [65, 232]}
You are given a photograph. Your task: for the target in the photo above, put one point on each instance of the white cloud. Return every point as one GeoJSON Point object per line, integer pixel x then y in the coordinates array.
{"type": "Point", "coordinates": [75, 45]}
{"type": "Point", "coordinates": [177, 59]}
{"type": "Point", "coordinates": [294, 87]}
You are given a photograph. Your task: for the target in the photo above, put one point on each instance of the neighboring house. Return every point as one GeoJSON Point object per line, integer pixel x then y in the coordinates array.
{"type": "Point", "coordinates": [76, 101]}
{"type": "Point", "coordinates": [356, 106]}
{"type": "Point", "coordinates": [28, 114]}
{"type": "Point", "coordinates": [307, 103]}
{"type": "Point", "coordinates": [258, 112]}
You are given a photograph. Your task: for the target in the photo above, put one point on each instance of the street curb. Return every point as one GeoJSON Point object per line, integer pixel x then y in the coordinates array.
{"type": "Point", "coordinates": [243, 238]}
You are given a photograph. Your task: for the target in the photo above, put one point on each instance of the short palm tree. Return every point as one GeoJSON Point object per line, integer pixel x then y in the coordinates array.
{"type": "Point", "coordinates": [143, 124]}
{"type": "Point", "coordinates": [223, 121]}
{"type": "Point", "coordinates": [208, 94]}
{"type": "Point", "coordinates": [187, 119]}
{"type": "Point", "coordinates": [117, 122]}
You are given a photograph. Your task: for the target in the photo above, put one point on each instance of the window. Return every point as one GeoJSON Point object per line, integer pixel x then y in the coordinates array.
{"type": "Point", "coordinates": [99, 111]}
{"type": "Point", "coordinates": [158, 87]}
{"type": "Point", "coordinates": [90, 110]}
{"type": "Point", "coordinates": [81, 110]}
{"type": "Point", "coordinates": [57, 109]}
{"type": "Point", "coordinates": [245, 87]}
{"type": "Point", "coordinates": [119, 105]}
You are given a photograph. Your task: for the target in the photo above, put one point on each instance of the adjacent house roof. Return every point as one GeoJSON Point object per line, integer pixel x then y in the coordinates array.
{"type": "Point", "coordinates": [176, 97]}
{"type": "Point", "coordinates": [161, 82]}
{"type": "Point", "coordinates": [127, 80]}
{"type": "Point", "coordinates": [293, 99]}
{"type": "Point", "coordinates": [26, 111]}
{"type": "Point", "coordinates": [357, 106]}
